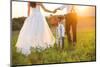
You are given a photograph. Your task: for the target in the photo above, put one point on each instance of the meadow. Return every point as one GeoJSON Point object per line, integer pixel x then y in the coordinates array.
{"type": "Point", "coordinates": [83, 51]}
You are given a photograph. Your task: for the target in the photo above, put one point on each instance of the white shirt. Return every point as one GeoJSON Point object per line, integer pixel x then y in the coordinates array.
{"type": "Point", "coordinates": [68, 8]}
{"type": "Point", "coordinates": [60, 31]}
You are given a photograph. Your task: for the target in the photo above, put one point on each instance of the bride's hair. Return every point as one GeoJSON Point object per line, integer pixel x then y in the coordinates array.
{"type": "Point", "coordinates": [33, 4]}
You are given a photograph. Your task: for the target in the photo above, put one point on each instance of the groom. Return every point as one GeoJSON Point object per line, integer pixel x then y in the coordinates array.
{"type": "Point", "coordinates": [70, 22]}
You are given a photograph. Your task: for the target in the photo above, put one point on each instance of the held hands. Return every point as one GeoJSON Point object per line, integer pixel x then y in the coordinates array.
{"type": "Point", "coordinates": [56, 10]}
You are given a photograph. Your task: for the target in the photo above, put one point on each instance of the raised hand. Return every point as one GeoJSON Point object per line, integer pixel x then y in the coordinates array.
{"type": "Point", "coordinates": [58, 9]}
{"type": "Point", "coordinates": [55, 11]}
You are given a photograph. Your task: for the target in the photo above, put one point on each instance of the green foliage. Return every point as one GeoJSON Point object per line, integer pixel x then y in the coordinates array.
{"type": "Point", "coordinates": [17, 23]}
{"type": "Point", "coordinates": [83, 51]}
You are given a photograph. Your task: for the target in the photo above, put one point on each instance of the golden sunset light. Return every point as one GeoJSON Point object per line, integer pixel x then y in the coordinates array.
{"type": "Point", "coordinates": [20, 9]}
{"type": "Point", "coordinates": [81, 8]}
{"type": "Point", "coordinates": [85, 10]}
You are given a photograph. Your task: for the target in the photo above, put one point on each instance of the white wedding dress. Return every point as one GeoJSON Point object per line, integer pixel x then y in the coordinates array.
{"type": "Point", "coordinates": [35, 33]}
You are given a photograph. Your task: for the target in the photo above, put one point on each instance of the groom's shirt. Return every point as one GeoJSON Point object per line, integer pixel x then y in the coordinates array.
{"type": "Point", "coordinates": [67, 7]}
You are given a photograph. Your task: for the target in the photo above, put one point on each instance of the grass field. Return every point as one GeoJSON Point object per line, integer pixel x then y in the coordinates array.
{"type": "Point", "coordinates": [83, 51]}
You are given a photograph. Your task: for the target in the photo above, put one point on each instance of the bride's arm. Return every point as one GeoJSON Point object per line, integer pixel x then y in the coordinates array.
{"type": "Point", "coordinates": [47, 9]}
{"type": "Point", "coordinates": [28, 8]}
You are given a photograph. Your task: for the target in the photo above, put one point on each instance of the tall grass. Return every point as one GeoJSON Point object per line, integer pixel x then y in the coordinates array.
{"type": "Point", "coordinates": [83, 51]}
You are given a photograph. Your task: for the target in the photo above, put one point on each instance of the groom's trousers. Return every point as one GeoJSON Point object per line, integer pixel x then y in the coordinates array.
{"type": "Point", "coordinates": [71, 23]}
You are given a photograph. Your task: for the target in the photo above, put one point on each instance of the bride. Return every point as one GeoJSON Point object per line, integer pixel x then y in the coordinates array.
{"type": "Point", "coordinates": [35, 32]}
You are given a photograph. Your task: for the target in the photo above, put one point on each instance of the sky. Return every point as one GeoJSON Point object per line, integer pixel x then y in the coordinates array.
{"type": "Point", "coordinates": [20, 9]}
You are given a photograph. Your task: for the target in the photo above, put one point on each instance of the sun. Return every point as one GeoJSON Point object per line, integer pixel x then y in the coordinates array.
{"type": "Point", "coordinates": [81, 8]}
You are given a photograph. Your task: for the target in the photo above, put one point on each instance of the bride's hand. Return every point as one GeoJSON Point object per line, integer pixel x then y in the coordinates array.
{"type": "Point", "coordinates": [55, 11]}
